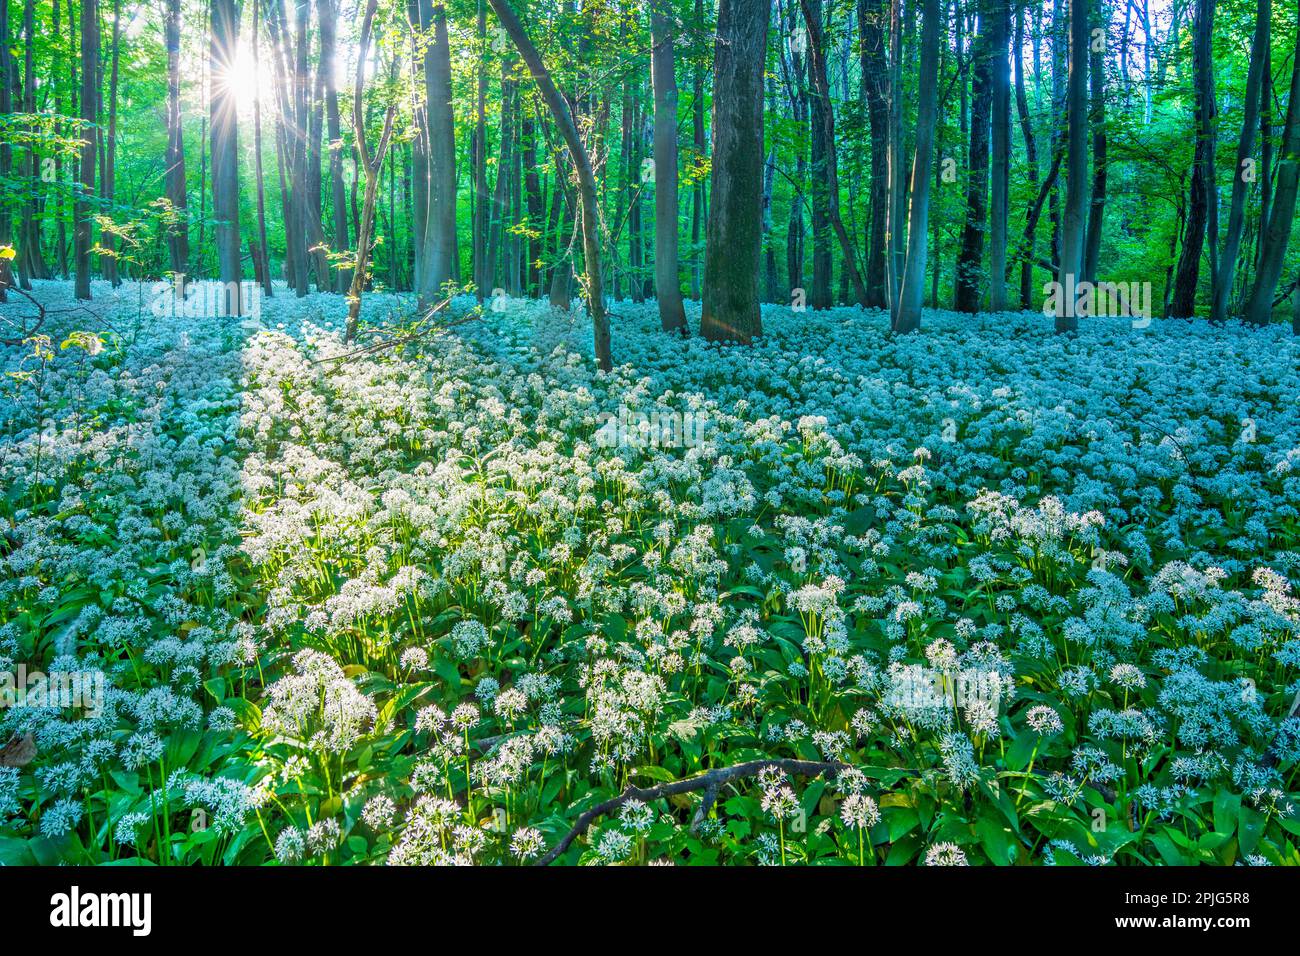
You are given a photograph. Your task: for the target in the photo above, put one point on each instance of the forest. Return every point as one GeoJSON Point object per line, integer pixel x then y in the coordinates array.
{"type": "Point", "coordinates": [700, 432]}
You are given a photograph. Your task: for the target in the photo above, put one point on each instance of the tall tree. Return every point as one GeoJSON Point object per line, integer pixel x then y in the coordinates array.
{"type": "Point", "coordinates": [1243, 171]}
{"type": "Point", "coordinates": [1074, 217]}
{"type": "Point", "coordinates": [178, 230]}
{"type": "Point", "coordinates": [329, 12]}
{"type": "Point", "coordinates": [875, 83]}
{"type": "Point", "coordinates": [371, 164]}
{"type": "Point", "coordinates": [224, 126]}
{"type": "Point", "coordinates": [733, 244]}
{"type": "Point", "coordinates": [107, 183]}
{"type": "Point", "coordinates": [82, 208]}
{"type": "Point", "coordinates": [825, 132]}
{"type": "Point", "coordinates": [1281, 218]}
{"type": "Point", "coordinates": [7, 71]}
{"type": "Point", "coordinates": [907, 317]}
{"type": "Point", "coordinates": [1000, 103]}
{"type": "Point", "coordinates": [1201, 195]}
{"type": "Point", "coordinates": [559, 108]}
{"type": "Point", "coordinates": [1097, 205]}
{"type": "Point", "coordinates": [439, 241]}
{"type": "Point", "coordinates": [668, 290]}
{"type": "Point", "coordinates": [968, 292]}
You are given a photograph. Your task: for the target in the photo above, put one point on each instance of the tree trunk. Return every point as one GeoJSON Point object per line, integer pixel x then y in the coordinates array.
{"type": "Point", "coordinates": [1097, 206]}
{"type": "Point", "coordinates": [6, 153]}
{"type": "Point", "coordinates": [1242, 173]}
{"type": "Point", "coordinates": [178, 238]}
{"type": "Point", "coordinates": [871, 18]}
{"type": "Point", "coordinates": [1201, 193]}
{"type": "Point", "coordinates": [1028, 254]}
{"type": "Point", "coordinates": [1272, 255]}
{"type": "Point", "coordinates": [110, 149]}
{"type": "Point", "coordinates": [333, 129]}
{"type": "Point", "coordinates": [34, 266]}
{"type": "Point", "coordinates": [908, 315]}
{"type": "Point", "coordinates": [263, 256]}
{"type": "Point", "coordinates": [999, 209]}
{"type": "Point", "coordinates": [969, 291]}
{"type": "Point", "coordinates": [90, 116]}
{"type": "Point", "coordinates": [225, 150]}
{"type": "Point", "coordinates": [439, 244]}
{"type": "Point", "coordinates": [733, 244]}
{"type": "Point", "coordinates": [1074, 218]}
{"type": "Point", "coordinates": [824, 132]}
{"type": "Point", "coordinates": [371, 165]}
{"type": "Point", "coordinates": [586, 178]}
{"type": "Point", "coordinates": [668, 291]}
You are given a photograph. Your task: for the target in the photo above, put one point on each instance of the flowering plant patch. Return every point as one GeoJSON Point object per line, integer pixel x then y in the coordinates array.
{"type": "Point", "coordinates": [985, 595]}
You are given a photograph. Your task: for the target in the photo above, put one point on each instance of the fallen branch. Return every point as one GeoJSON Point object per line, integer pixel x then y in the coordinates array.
{"type": "Point", "coordinates": [710, 782]}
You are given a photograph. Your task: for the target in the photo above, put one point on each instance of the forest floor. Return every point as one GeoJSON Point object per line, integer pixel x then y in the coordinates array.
{"type": "Point", "coordinates": [428, 603]}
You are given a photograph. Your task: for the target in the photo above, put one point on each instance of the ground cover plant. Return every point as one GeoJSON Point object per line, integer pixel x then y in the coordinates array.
{"type": "Point", "coordinates": [983, 596]}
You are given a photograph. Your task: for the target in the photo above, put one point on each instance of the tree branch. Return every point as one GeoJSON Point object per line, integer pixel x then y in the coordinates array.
{"type": "Point", "coordinates": [710, 782]}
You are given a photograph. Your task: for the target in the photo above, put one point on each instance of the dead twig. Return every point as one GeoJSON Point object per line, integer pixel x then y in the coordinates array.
{"type": "Point", "coordinates": [710, 782]}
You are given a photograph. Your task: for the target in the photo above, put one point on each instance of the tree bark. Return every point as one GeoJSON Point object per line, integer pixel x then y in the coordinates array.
{"type": "Point", "coordinates": [733, 244]}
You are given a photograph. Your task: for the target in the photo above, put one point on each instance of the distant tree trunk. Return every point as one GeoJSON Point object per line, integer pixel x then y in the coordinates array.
{"type": "Point", "coordinates": [908, 315]}
{"type": "Point", "coordinates": [371, 165]}
{"type": "Point", "coordinates": [825, 132]}
{"type": "Point", "coordinates": [586, 178]}
{"type": "Point", "coordinates": [178, 239]}
{"type": "Point", "coordinates": [735, 233]}
{"type": "Point", "coordinates": [333, 130]}
{"type": "Point", "coordinates": [1074, 218]}
{"type": "Point", "coordinates": [439, 245]}
{"type": "Point", "coordinates": [1029, 253]}
{"type": "Point", "coordinates": [83, 212]}
{"type": "Point", "coordinates": [1097, 206]}
{"type": "Point", "coordinates": [999, 209]}
{"type": "Point", "coordinates": [871, 17]}
{"type": "Point", "coordinates": [1243, 170]}
{"type": "Point", "coordinates": [1201, 193]}
{"type": "Point", "coordinates": [225, 150]}
{"type": "Point", "coordinates": [969, 289]}
{"type": "Point", "coordinates": [668, 291]}
{"type": "Point", "coordinates": [1259, 308]}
